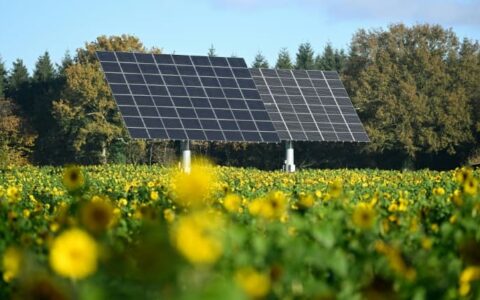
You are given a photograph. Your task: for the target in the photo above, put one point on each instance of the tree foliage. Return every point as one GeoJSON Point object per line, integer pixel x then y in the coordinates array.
{"type": "Point", "coordinates": [260, 61]}
{"type": "Point", "coordinates": [86, 113]}
{"type": "Point", "coordinates": [16, 136]}
{"type": "Point", "coordinates": [330, 59]}
{"type": "Point", "coordinates": [405, 83]}
{"type": "Point", "coordinates": [212, 51]}
{"type": "Point", "coordinates": [3, 78]}
{"type": "Point", "coordinates": [44, 70]}
{"type": "Point", "coordinates": [17, 81]}
{"type": "Point", "coordinates": [284, 61]}
{"type": "Point", "coordinates": [305, 57]}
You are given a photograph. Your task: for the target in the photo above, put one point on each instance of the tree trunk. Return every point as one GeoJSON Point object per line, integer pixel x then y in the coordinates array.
{"type": "Point", "coordinates": [103, 155]}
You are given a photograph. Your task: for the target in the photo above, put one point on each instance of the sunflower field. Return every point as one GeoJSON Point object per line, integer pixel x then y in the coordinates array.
{"type": "Point", "coordinates": [149, 232]}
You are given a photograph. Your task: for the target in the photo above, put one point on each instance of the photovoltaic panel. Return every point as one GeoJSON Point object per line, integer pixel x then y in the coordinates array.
{"type": "Point", "coordinates": [308, 105]}
{"type": "Point", "coordinates": [180, 97]}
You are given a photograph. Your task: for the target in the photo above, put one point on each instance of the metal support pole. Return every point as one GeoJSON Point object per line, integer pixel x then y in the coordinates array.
{"type": "Point", "coordinates": [289, 166]}
{"type": "Point", "coordinates": [186, 157]}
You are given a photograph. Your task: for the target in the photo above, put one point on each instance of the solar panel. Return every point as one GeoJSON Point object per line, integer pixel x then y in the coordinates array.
{"type": "Point", "coordinates": [180, 97]}
{"type": "Point", "coordinates": [309, 105]}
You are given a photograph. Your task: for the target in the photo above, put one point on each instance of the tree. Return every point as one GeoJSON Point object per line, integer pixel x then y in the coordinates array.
{"type": "Point", "coordinates": [45, 87]}
{"type": "Point", "coordinates": [67, 61]}
{"type": "Point", "coordinates": [212, 51]}
{"type": "Point", "coordinates": [283, 60]}
{"type": "Point", "coordinates": [403, 83]}
{"type": "Point", "coordinates": [260, 61]}
{"type": "Point", "coordinates": [44, 70]}
{"type": "Point", "coordinates": [17, 81]}
{"type": "Point", "coordinates": [3, 78]}
{"type": "Point", "coordinates": [468, 73]}
{"type": "Point", "coordinates": [16, 136]}
{"type": "Point", "coordinates": [86, 113]}
{"type": "Point", "coordinates": [330, 59]}
{"type": "Point", "coordinates": [305, 58]}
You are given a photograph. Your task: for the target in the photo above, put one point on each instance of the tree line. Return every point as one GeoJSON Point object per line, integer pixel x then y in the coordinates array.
{"type": "Point", "coordinates": [416, 89]}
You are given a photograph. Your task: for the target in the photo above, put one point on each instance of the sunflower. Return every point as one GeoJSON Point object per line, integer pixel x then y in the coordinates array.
{"type": "Point", "coordinates": [335, 188]}
{"type": "Point", "coordinates": [97, 215]}
{"type": "Point", "coordinates": [73, 178]}
{"type": "Point", "coordinates": [13, 194]}
{"type": "Point", "coordinates": [74, 254]}
{"type": "Point", "coordinates": [194, 189]}
{"type": "Point", "coordinates": [12, 261]}
{"type": "Point", "coordinates": [232, 203]}
{"type": "Point", "coordinates": [463, 174]}
{"type": "Point", "coordinates": [470, 186]}
{"type": "Point", "coordinates": [363, 216]}
{"type": "Point", "coordinates": [469, 274]}
{"type": "Point", "coordinates": [255, 284]}
{"type": "Point", "coordinates": [198, 237]}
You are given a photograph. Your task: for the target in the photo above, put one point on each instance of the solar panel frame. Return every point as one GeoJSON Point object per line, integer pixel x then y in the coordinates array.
{"type": "Point", "coordinates": [171, 87]}
{"type": "Point", "coordinates": [304, 106]}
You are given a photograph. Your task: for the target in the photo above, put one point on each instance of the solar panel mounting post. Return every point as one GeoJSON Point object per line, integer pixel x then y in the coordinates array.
{"type": "Point", "coordinates": [289, 166]}
{"type": "Point", "coordinates": [186, 157]}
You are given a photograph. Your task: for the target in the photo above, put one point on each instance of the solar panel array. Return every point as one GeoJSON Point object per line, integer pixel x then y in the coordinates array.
{"type": "Point", "coordinates": [309, 105]}
{"type": "Point", "coordinates": [179, 97]}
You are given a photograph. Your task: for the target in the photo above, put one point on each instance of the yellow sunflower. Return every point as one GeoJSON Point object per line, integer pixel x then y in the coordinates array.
{"type": "Point", "coordinates": [73, 178]}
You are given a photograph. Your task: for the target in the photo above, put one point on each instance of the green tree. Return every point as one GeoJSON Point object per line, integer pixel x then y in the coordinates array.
{"type": "Point", "coordinates": [3, 78]}
{"type": "Point", "coordinates": [468, 73]}
{"type": "Point", "coordinates": [326, 61]}
{"type": "Point", "coordinates": [330, 59]}
{"type": "Point", "coordinates": [16, 136]}
{"type": "Point", "coordinates": [260, 61]}
{"type": "Point", "coordinates": [403, 84]}
{"type": "Point", "coordinates": [17, 81]}
{"type": "Point", "coordinates": [86, 113]}
{"type": "Point", "coordinates": [212, 51]}
{"type": "Point", "coordinates": [305, 57]}
{"type": "Point", "coordinates": [284, 61]}
{"type": "Point", "coordinates": [45, 87]}
{"type": "Point", "coordinates": [67, 61]}
{"type": "Point", "coordinates": [44, 70]}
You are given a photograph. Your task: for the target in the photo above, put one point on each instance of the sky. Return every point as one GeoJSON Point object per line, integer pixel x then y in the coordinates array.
{"type": "Point", "coordinates": [242, 28]}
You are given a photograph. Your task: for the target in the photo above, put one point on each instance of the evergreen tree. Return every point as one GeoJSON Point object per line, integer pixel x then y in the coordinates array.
{"type": "Point", "coordinates": [212, 51]}
{"type": "Point", "coordinates": [3, 78]}
{"type": "Point", "coordinates": [260, 61]}
{"type": "Point", "coordinates": [331, 60]}
{"type": "Point", "coordinates": [44, 70]}
{"type": "Point", "coordinates": [305, 57]}
{"type": "Point", "coordinates": [17, 81]}
{"type": "Point", "coordinates": [67, 61]}
{"type": "Point", "coordinates": [326, 61]}
{"type": "Point", "coordinates": [45, 88]}
{"type": "Point", "coordinates": [283, 60]}
{"type": "Point", "coordinates": [340, 60]}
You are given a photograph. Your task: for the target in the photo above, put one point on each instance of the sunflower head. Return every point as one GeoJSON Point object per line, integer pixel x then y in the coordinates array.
{"type": "Point", "coordinates": [470, 186]}
{"type": "Point", "coordinates": [73, 254]}
{"type": "Point", "coordinates": [73, 178]}
{"type": "Point", "coordinates": [97, 215]}
{"type": "Point", "coordinates": [363, 216]}
{"type": "Point", "coordinates": [463, 174]}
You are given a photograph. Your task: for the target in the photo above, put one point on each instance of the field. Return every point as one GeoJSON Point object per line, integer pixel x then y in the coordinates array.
{"type": "Point", "coordinates": [138, 232]}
